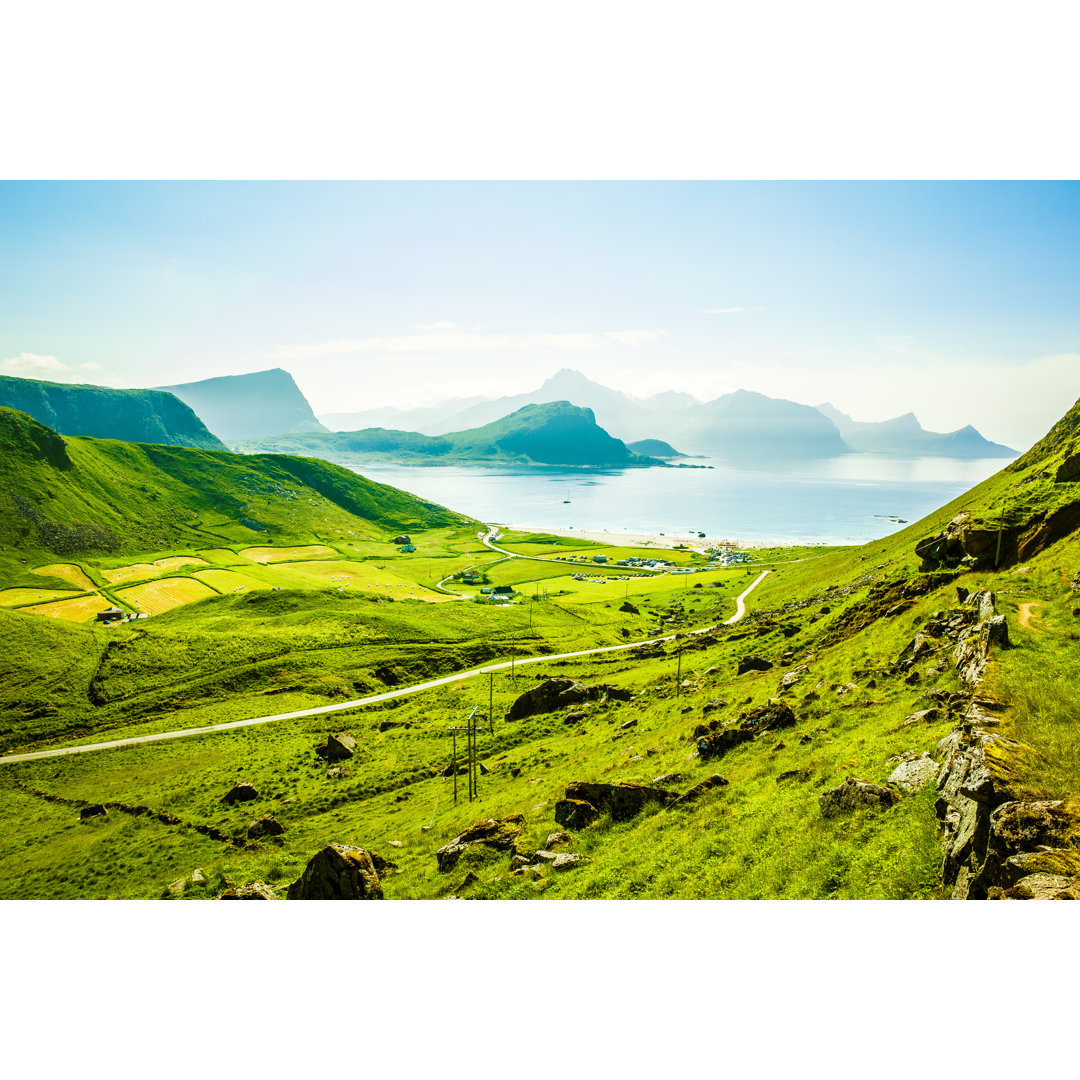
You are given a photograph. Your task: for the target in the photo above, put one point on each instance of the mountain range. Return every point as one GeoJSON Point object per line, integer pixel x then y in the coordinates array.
{"type": "Point", "coordinates": [740, 424]}
{"type": "Point", "coordinates": [553, 433]}
{"type": "Point", "coordinates": [905, 435]}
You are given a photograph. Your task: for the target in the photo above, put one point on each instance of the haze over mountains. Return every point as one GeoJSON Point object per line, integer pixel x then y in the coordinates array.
{"type": "Point", "coordinates": [592, 425]}
{"type": "Point", "coordinates": [553, 433]}
{"type": "Point", "coordinates": [738, 424]}
{"type": "Point", "coordinates": [246, 406]}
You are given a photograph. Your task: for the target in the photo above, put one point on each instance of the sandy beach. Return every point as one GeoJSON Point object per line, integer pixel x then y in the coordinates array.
{"type": "Point", "coordinates": [658, 540]}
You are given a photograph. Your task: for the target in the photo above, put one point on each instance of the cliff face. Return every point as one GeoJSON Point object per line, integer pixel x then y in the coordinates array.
{"type": "Point", "coordinates": [249, 406]}
{"type": "Point", "coordinates": [146, 416]}
{"type": "Point", "coordinates": [997, 845]}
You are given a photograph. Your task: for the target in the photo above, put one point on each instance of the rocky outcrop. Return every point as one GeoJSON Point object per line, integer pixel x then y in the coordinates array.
{"type": "Point", "coordinates": [1068, 471]}
{"type": "Point", "coordinates": [753, 663]}
{"type": "Point", "coordinates": [914, 773]}
{"type": "Point", "coordinates": [772, 716]}
{"type": "Point", "coordinates": [621, 801]}
{"type": "Point", "coordinates": [566, 860]}
{"type": "Point", "coordinates": [338, 872]}
{"type": "Point", "coordinates": [695, 793]}
{"type": "Point", "coordinates": [575, 813]}
{"type": "Point", "coordinates": [339, 747]}
{"type": "Point", "coordinates": [969, 544]}
{"type": "Point", "coordinates": [496, 834]}
{"type": "Point", "coordinates": [853, 795]}
{"type": "Point", "coordinates": [240, 793]}
{"type": "Point", "coordinates": [265, 826]}
{"type": "Point", "coordinates": [559, 693]}
{"type": "Point", "coordinates": [1040, 887]}
{"type": "Point", "coordinates": [792, 678]}
{"type": "Point", "coordinates": [993, 841]}
{"type": "Point", "coordinates": [971, 630]}
{"type": "Point", "coordinates": [257, 890]}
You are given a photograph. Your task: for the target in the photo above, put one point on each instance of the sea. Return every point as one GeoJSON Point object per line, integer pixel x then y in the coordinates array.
{"type": "Point", "coordinates": [843, 500]}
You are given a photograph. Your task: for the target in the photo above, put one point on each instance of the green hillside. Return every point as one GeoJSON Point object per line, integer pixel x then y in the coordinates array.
{"type": "Point", "coordinates": [555, 433]}
{"type": "Point", "coordinates": [66, 496]}
{"type": "Point", "coordinates": [148, 416]}
{"type": "Point", "coordinates": [935, 667]}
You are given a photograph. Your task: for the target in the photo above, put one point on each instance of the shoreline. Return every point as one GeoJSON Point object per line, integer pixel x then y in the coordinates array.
{"type": "Point", "coordinates": [671, 540]}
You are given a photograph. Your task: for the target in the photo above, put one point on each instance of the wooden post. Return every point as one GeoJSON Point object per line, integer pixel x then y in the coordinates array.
{"type": "Point", "coordinates": [678, 676]}
{"type": "Point", "coordinates": [453, 763]}
{"type": "Point", "coordinates": [491, 695]}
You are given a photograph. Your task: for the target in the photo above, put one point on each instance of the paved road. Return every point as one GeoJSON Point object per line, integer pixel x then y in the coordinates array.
{"type": "Point", "coordinates": [740, 611]}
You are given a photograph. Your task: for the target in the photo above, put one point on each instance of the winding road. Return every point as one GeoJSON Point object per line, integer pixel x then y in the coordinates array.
{"type": "Point", "coordinates": [372, 699]}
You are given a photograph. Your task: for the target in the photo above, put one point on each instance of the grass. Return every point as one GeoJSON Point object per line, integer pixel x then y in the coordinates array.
{"type": "Point", "coordinates": [262, 651]}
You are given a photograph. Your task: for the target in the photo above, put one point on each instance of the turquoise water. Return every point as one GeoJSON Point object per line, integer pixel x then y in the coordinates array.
{"type": "Point", "coordinates": [835, 501]}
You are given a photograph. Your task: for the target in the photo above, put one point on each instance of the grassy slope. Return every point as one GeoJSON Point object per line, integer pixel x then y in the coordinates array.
{"type": "Point", "coordinates": [150, 416]}
{"type": "Point", "coordinates": [762, 836]}
{"type": "Point", "coordinates": [99, 495]}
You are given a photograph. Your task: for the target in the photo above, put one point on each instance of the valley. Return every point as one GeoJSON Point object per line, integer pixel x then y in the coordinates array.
{"type": "Point", "coordinates": [729, 738]}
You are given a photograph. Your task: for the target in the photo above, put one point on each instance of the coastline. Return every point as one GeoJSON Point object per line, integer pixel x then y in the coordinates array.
{"type": "Point", "coordinates": [657, 540]}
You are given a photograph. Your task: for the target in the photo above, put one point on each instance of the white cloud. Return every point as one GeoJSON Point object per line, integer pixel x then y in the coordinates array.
{"type": "Point", "coordinates": [438, 326]}
{"type": "Point", "coordinates": [447, 338]}
{"type": "Point", "coordinates": [38, 366]}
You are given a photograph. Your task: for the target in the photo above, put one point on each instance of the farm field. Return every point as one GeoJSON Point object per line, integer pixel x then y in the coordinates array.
{"type": "Point", "coordinates": [156, 597]}
{"type": "Point", "coordinates": [138, 571]}
{"type": "Point", "coordinates": [289, 554]}
{"type": "Point", "coordinates": [67, 572]}
{"type": "Point", "coordinates": [22, 597]}
{"type": "Point", "coordinates": [223, 557]}
{"type": "Point", "coordinates": [79, 609]}
{"type": "Point", "coordinates": [344, 574]}
{"type": "Point", "coordinates": [225, 581]}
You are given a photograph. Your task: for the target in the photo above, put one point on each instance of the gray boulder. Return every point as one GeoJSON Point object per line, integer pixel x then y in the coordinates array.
{"type": "Point", "coordinates": [338, 872]}
{"type": "Point", "coordinates": [854, 794]}
{"type": "Point", "coordinates": [339, 747]}
{"type": "Point", "coordinates": [915, 773]}
{"type": "Point", "coordinates": [257, 890]}
{"type": "Point", "coordinates": [265, 826]}
{"type": "Point", "coordinates": [753, 663]}
{"type": "Point", "coordinates": [575, 813]}
{"type": "Point", "coordinates": [496, 834]}
{"type": "Point", "coordinates": [622, 801]}
{"type": "Point", "coordinates": [240, 793]}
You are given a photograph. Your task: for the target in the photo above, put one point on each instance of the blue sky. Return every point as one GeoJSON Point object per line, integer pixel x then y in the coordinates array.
{"type": "Point", "coordinates": [955, 300]}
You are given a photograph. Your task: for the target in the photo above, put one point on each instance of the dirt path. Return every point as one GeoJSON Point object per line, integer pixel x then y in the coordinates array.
{"type": "Point", "coordinates": [1026, 613]}
{"type": "Point", "coordinates": [740, 611]}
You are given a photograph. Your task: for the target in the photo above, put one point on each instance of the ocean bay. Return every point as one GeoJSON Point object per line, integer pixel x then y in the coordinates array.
{"type": "Point", "coordinates": [842, 500]}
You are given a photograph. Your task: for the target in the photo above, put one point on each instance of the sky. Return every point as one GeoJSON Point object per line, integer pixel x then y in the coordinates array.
{"type": "Point", "coordinates": [954, 300]}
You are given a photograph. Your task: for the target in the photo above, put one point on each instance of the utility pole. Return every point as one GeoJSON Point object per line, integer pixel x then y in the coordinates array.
{"type": "Point", "coordinates": [469, 727]}
{"type": "Point", "coordinates": [678, 676]}
{"type": "Point", "coordinates": [491, 696]}
{"type": "Point", "coordinates": [453, 760]}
